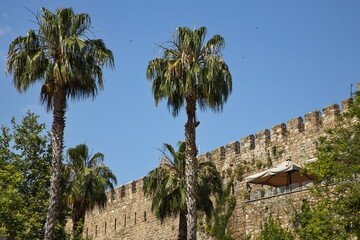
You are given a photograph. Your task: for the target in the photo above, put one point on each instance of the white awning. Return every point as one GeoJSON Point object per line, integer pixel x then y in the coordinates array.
{"type": "Point", "coordinates": [285, 174]}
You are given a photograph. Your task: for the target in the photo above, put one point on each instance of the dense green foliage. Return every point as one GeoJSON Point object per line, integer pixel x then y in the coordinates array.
{"type": "Point", "coordinates": [25, 157]}
{"type": "Point", "coordinates": [166, 184]}
{"type": "Point", "coordinates": [272, 230]}
{"type": "Point", "coordinates": [225, 205]}
{"type": "Point", "coordinates": [88, 181]}
{"type": "Point", "coordinates": [337, 213]}
{"type": "Point", "coordinates": [316, 222]}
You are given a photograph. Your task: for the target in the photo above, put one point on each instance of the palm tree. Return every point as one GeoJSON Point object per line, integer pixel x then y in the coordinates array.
{"type": "Point", "coordinates": [88, 181]}
{"type": "Point", "coordinates": [191, 72]}
{"type": "Point", "coordinates": [69, 65]}
{"type": "Point", "coordinates": [166, 184]}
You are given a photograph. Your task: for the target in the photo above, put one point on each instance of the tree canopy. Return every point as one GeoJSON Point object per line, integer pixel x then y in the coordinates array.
{"type": "Point", "coordinates": [272, 230]}
{"type": "Point", "coordinates": [336, 214]}
{"type": "Point", "coordinates": [25, 157]}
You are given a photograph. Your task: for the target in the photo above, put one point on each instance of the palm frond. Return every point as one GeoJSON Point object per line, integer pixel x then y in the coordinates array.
{"type": "Point", "coordinates": [189, 66]}
{"type": "Point", "coordinates": [166, 183]}
{"type": "Point", "coordinates": [59, 55]}
{"type": "Point", "coordinates": [89, 178]}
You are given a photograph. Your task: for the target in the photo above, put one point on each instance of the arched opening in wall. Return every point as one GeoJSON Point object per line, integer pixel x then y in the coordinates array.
{"type": "Point", "coordinates": [144, 216]}
{"type": "Point", "coordinates": [135, 218]}
{"type": "Point", "coordinates": [125, 220]}
{"type": "Point", "coordinates": [105, 227]}
{"type": "Point", "coordinates": [95, 230]}
{"type": "Point", "coordinates": [115, 224]}
{"type": "Point", "coordinates": [87, 232]}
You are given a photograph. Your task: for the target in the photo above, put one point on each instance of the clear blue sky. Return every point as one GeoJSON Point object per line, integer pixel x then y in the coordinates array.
{"type": "Point", "coordinates": [287, 58]}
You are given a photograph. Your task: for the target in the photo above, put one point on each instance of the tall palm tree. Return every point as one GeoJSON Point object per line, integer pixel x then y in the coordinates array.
{"type": "Point", "coordinates": [69, 65]}
{"type": "Point", "coordinates": [89, 179]}
{"type": "Point", "coordinates": [166, 184]}
{"type": "Point", "coordinates": [191, 72]}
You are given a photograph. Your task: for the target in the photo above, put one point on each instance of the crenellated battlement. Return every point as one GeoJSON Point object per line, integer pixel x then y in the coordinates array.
{"type": "Point", "coordinates": [131, 190]}
{"type": "Point", "coordinates": [296, 128]}
{"type": "Point", "coordinates": [128, 213]}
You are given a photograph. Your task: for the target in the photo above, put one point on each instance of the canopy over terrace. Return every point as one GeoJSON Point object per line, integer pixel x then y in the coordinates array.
{"type": "Point", "coordinates": [285, 174]}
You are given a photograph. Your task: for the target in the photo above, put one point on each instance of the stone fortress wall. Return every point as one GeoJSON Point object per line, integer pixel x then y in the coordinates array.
{"type": "Point", "coordinates": [128, 213]}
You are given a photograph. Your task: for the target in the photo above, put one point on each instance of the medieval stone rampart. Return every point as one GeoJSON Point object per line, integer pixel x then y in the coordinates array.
{"type": "Point", "coordinates": [128, 213]}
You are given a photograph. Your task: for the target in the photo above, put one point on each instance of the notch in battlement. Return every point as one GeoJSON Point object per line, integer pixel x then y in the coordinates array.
{"type": "Point", "coordinates": [278, 132]}
{"type": "Point", "coordinates": [313, 121]}
{"type": "Point", "coordinates": [204, 157]}
{"type": "Point", "coordinates": [296, 125]}
{"type": "Point", "coordinates": [218, 156]}
{"type": "Point", "coordinates": [345, 104]}
{"type": "Point", "coordinates": [247, 143]}
{"type": "Point", "coordinates": [330, 114]}
{"type": "Point", "coordinates": [262, 138]}
{"type": "Point", "coordinates": [218, 153]}
{"type": "Point", "coordinates": [232, 148]}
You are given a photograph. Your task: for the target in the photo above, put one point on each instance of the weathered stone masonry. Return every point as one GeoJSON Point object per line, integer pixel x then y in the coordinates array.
{"type": "Point", "coordinates": [128, 213]}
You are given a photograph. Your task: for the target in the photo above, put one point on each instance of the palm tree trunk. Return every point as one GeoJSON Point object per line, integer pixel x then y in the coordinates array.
{"type": "Point", "coordinates": [78, 219]}
{"type": "Point", "coordinates": [182, 226]}
{"type": "Point", "coordinates": [190, 167]}
{"type": "Point", "coordinates": [58, 127]}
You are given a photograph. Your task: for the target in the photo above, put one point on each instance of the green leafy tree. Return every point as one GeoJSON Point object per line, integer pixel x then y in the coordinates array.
{"type": "Point", "coordinates": [25, 157]}
{"type": "Point", "coordinates": [11, 202]}
{"type": "Point", "coordinates": [166, 184]}
{"type": "Point", "coordinates": [69, 65]}
{"type": "Point", "coordinates": [89, 179]}
{"type": "Point", "coordinates": [336, 214]}
{"type": "Point", "coordinates": [225, 205]}
{"type": "Point", "coordinates": [316, 223]}
{"type": "Point", "coordinates": [191, 72]}
{"type": "Point", "coordinates": [272, 230]}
